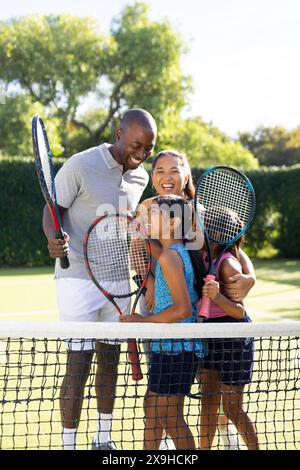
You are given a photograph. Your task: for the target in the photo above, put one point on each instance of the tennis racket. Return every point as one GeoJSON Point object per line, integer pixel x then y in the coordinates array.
{"type": "Point", "coordinates": [117, 254]}
{"type": "Point", "coordinates": [225, 207]}
{"type": "Point", "coordinates": [45, 174]}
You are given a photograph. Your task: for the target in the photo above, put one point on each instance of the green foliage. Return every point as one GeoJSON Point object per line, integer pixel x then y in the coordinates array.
{"type": "Point", "coordinates": [54, 61]}
{"type": "Point", "coordinates": [22, 240]}
{"type": "Point", "coordinates": [147, 58]}
{"type": "Point", "coordinates": [15, 126]}
{"type": "Point", "coordinates": [204, 145]}
{"type": "Point", "coordinates": [273, 146]}
{"type": "Point", "coordinates": [51, 57]}
{"type": "Point", "coordinates": [14, 136]}
{"type": "Point", "coordinates": [277, 219]}
{"type": "Point", "coordinates": [73, 71]}
{"type": "Point", "coordinates": [287, 203]}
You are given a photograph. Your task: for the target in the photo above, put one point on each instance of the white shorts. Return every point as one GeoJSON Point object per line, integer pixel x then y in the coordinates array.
{"type": "Point", "coordinates": [79, 300]}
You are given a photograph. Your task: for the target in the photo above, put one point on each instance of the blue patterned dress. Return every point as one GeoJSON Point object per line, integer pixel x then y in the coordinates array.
{"type": "Point", "coordinates": [163, 300]}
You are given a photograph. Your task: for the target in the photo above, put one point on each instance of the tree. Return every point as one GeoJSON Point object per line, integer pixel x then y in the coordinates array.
{"type": "Point", "coordinates": [205, 145]}
{"type": "Point", "coordinates": [273, 146]}
{"type": "Point", "coordinates": [15, 126]}
{"type": "Point", "coordinates": [64, 63]}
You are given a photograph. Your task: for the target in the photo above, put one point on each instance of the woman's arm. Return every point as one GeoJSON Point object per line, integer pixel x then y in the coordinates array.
{"type": "Point", "coordinates": [233, 308]}
{"type": "Point", "coordinates": [237, 286]}
{"type": "Point", "coordinates": [172, 269]}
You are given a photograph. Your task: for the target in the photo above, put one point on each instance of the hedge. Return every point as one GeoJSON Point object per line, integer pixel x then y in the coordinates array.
{"type": "Point", "coordinates": [23, 243]}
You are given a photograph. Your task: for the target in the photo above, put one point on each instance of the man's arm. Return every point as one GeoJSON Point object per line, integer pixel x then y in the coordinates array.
{"type": "Point", "coordinates": [57, 248]}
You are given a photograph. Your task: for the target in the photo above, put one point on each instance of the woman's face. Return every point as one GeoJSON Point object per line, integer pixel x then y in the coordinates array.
{"type": "Point", "coordinates": [169, 176]}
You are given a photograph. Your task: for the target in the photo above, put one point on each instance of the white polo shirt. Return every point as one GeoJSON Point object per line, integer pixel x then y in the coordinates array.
{"type": "Point", "coordinates": [89, 184]}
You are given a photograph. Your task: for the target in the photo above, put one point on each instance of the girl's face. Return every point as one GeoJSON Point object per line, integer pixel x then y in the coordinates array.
{"type": "Point", "coordinates": [161, 226]}
{"type": "Point", "coordinates": [169, 176]}
{"type": "Point", "coordinates": [155, 221]}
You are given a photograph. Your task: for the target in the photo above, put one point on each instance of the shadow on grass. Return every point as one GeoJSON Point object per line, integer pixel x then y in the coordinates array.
{"type": "Point", "coordinates": [278, 271]}
{"type": "Point", "coordinates": [286, 282]}
{"type": "Point", "coordinates": [270, 292]}
{"type": "Point", "coordinates": [288, 310]}
{"type": "Point", "coordinates": [278, 264]}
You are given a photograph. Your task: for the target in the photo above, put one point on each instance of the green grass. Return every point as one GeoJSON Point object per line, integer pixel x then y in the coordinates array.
{"type": "Point", "coordinates": [276, 293]}
{"type": "Point", "coordinates": [29, 294]}
{"type": "Point", "coordinates": [15, 272]}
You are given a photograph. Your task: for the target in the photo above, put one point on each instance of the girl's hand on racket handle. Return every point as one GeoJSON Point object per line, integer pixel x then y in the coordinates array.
{"type": "Point", "coordinates": [135, 318]}
{"type": "Point", "coordinates": [59, 248]}
{"type": "Point", "coordinates": [211, 289]}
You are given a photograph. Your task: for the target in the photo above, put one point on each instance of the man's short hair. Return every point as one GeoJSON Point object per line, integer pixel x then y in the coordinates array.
{"type": "Point", "coordinates": [138, 116]}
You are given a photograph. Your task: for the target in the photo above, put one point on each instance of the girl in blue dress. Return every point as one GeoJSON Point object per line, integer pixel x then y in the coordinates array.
{"type": "Point", "coordinates": [173, 363]}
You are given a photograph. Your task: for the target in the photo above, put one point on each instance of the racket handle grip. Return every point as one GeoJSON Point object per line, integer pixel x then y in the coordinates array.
{"type": "Point", "coordinates": [205, 301]}
{"type": "Point", "coordinates": [134, 360]}
{"type": "Point", "coordinates": [64, 262]}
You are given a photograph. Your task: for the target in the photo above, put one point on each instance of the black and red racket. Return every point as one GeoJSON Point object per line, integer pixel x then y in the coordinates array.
{"type": "Point", "coordinates": [45, 174]}
{"type": "Point", "coordinates": [225, 207]}
{"type": "Point", "coordinates": [117, 253]}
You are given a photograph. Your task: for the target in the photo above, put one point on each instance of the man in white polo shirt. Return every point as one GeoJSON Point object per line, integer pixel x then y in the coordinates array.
{"type": "Point", "coordinates": [101, 179]}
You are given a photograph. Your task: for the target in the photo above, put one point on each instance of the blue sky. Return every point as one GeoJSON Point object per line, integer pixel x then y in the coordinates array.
{"type": "Point", "coordinates": [243, 54]}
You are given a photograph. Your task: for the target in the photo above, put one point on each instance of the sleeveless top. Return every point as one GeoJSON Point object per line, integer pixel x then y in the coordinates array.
{"type": "Point", "coordinates": [215, 311]}
{"type": "Point", "coordinates": [163, 300]}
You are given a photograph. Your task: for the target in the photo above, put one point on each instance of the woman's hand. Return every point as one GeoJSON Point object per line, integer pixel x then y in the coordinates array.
{"type": "Point", "coordinates": [238, 287]}
{"type": "Point", "coordinates": [135, 318]}
{"type": "Point", "coordinates": [211, 289]}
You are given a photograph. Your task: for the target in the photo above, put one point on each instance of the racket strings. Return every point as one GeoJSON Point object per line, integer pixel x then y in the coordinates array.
{"type": "Point", "coordinates": [117, 255]}
{"type": "Point", "coordinates": [45, 159]}
{"type": "Point", "coordinates": [227, 204]}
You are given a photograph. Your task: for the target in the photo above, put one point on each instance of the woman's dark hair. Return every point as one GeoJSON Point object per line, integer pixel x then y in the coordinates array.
{"type": "Point", "coordinates": [189, 189]}
{"type": "Point", "coordinates": [234, 249]}
{"type": "Point", "coordinates": [195, 255]}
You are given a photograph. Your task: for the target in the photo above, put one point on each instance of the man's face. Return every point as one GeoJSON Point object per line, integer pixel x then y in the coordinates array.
{"type": "Point", "coordinates": [135, 145]}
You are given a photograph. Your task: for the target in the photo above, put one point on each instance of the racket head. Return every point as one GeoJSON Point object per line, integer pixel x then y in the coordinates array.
{"type": "Point", "coordinates": [224, 204]}
{"type": "Point", "coordinates": [116, 252]}
{"type": "Point", "coordinates": [43, 159]}
{"type": "Point", "coordinates": [45, 173]}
